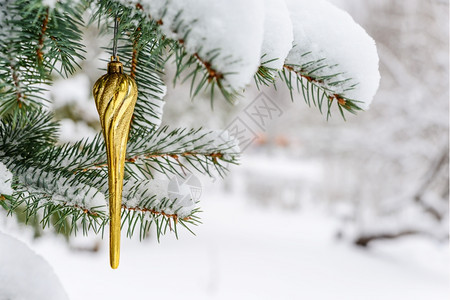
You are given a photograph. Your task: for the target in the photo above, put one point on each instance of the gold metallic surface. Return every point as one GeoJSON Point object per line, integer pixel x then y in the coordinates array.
{"type": "Point", "coordinates": [115, 95]}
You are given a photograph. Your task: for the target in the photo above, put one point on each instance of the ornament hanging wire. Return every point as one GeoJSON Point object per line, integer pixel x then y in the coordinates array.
{"type": "Point", "coordinates": [116, 28]}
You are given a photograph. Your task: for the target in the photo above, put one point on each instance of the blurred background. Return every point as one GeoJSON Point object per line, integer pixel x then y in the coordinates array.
{"type": "Point", "coordinates": [317, 209]}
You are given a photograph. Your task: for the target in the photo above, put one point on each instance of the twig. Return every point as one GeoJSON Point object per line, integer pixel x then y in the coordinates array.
{"type": "Point", "coordinates": [338, 97]}
{"type": "Point", "coordinates": [213, 74]}
{"type": "Point", "coordinates": [17, 85]}
{"type": "Point", "coordinates": [154, 212]}
{"type": "Point", "coordinates": [134, 57]}
{"type": "Point", "coordinates": [133, 159]}
{"type": "Point", "coordinates": [364, 240]}
{"type": "Point", "coordinates": [39, 53]}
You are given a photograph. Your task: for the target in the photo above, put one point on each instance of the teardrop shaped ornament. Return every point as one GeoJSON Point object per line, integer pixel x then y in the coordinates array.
{"type": "Point", "coordinates": [115, 95]}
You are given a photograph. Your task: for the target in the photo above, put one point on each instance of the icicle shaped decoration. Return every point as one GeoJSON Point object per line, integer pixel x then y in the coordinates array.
{"type": "Point", "coordinates": [115, 96]}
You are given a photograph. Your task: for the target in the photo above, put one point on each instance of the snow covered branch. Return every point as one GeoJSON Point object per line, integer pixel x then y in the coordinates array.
{"type": "Point", "coordinates": [71, 180]}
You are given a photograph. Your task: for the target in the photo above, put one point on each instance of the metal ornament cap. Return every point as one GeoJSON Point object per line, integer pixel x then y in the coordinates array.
{"type": "Point", "coordinates": [115, 96]}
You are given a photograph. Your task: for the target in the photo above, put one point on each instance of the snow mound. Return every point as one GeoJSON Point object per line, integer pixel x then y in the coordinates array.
{"type": "Point", "coordinates": [24, 275]}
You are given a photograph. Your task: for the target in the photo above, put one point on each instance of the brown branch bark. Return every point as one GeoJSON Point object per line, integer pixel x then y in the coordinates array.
{"type": "Point", "coordinates": [39, 52]}
{"type": "Point", "coordinates": [213, 74]}
{"type": "Point", "coordinates": [140, 209]}
{"type": "Point", "coordinates": [135, 54]}
{"type": "Point", "coordinates": [16, 82]}
{"type": "Point", "coordinates": [154, 212]}
{"type": "Point", "coordinates": [364, 240]}
{"type": "Point", "coordinates": [338, 97]}
{"type": "Point", "coordinates": [133, 159]}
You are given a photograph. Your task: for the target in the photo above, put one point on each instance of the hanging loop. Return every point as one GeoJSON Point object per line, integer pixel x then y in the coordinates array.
{"type": "Point", "coordinates": [116, 29]}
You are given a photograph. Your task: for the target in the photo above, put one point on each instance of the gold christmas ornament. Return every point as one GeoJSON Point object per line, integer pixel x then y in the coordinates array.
{"type": "Point", "coordinates": [115, 96]}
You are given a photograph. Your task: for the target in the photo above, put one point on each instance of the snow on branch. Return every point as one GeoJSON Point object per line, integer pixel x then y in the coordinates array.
{"type": "Point", "coordinates": [226, 43]}
{"type": "Point", "coordinates": [221, 34]}
{"type": "Point", "coordinates": [59, 189]}
{"type": "Point", "coordinates": [152, 196]}
{"type": "Point", "coordinates": [76, 204]}
{"type": "Point", "coordinates": [71, 180]}
{"type": "Point", "coordinates": [333, 53]}
{"type": "Point", "coordinates": [278, 34]}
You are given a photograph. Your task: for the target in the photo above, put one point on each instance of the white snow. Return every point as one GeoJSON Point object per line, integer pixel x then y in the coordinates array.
{"type": "Point", "coordinates": [227, 34]}
{"type": "Point", "coordinates": [278, 34]}
{"type": "Point", "coordinates": [70, 90]}
{"type": "Point", "coordinates": [5, 180]}
{"type": "Point", "coordinates": [329, 32]}
{"type": "Point", "coordinates": [63, 190]}
{"type": "Point", "coordinates": [74, 92]}
{"type": "Point", "coordinates": [24, 275]}
{"type": "Point", "coordinates": [50, 3]}
{"type": "Point", "coordinates": [72, 131]}
{"type": "Point", "coordinates": [235, 37]}
{"type": "Point", "coordinates": [135, 192]}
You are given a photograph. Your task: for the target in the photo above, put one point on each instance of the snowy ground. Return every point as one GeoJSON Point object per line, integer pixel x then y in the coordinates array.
{"type": "Point", "coordinates": [243, 252]}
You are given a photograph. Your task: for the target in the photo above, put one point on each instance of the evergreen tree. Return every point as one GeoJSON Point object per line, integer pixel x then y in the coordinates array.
{"type": "Point", "coordinates": [217, 47]}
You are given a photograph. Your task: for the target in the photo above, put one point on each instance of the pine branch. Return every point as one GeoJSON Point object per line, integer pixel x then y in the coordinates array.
{"type": "Point", "coordinates": [44, 196]}
{"type": "Point", "coordinates": [141, 50]}
{"type": "Point", "coordinates": [316, 81]}
{"type": "Point", "coordinates": [33, 41]}
{"type": "Point", "coordinates": [199, 69]}
{"type": "Point", "coordinates": [39, 52]}
{"type": "Point", "coordinates": [320, 85]}
{"type": "Point", "coordinates": [265, 75]}
{"type": "Point", "coordinates": [200, 72]}
{"type": "Point", "coordinates": [34, 134]}
{"type": "Point", "coordinates": [70, 181]}
{"type": "Point", "coordinates": [69, 218]}
{"type": "Point", "coordinates": [64, 38]}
